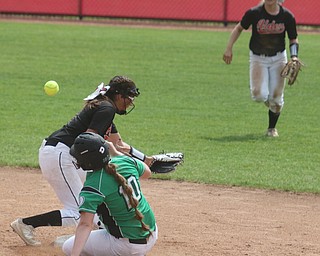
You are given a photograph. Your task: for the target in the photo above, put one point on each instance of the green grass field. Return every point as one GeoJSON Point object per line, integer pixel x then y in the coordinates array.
{"type": "Point", "coordinates": [190, 100]}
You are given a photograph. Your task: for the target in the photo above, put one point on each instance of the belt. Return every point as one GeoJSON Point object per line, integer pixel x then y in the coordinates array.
{"type": "Point", "coordinates": [138, 241]}
{"type": "Point", "coordinates": [51, 143]}
{"type": "Point", "coordinates": [266, 55]}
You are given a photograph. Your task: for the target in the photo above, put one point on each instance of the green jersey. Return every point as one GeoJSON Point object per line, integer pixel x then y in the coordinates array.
{"type": "Point", "coordinates": [102, 194]}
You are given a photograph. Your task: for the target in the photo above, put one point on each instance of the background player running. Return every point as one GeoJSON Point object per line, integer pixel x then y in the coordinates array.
{"type": "Point", "coordinates": [270, 22]}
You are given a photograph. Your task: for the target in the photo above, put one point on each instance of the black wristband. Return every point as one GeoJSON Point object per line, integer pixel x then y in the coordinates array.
{"type": "Point", "coordinates": [137, 154]}
{"type": "Point", "coordinates": [294, 49]}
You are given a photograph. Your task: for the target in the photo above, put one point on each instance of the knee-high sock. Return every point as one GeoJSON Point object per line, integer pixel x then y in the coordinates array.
{"type": "Point", "coordinates": [46, 219]}
{"type": "Point", "coordinates": [273, 119]}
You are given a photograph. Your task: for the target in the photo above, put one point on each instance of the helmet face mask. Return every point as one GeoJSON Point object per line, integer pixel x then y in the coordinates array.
{"type": "Point", "coordinates": [132, 92]}
{"type": "Point", "coordinates": [90, 151]}
{"type": "Point", "coordinates": [127, 98]}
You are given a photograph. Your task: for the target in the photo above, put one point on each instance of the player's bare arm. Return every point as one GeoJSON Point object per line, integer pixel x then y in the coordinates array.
{"type": "Point", "coordinates": [125, 148]}
{"type": "Point", "coordinates": [236, 32]}
{"type": "Point", "coordinates": [161, 163]}
{"type": "Point", "coordinates": [120, 145]}
{"type": "Point", "coordinates": [147, 172]}
{"type": "Point", "coordinates": [82, 232]}
{"type": "Point", "coordinates": [112, 150]}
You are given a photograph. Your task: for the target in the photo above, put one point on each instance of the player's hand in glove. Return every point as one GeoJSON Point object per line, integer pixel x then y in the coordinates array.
{"type": "Point", "coordinates": [166, 162]}
{"type": "Point", "coordinates": [291, 70]}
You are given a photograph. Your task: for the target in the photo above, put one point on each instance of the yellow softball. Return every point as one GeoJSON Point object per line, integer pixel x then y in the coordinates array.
{"type": "Point", "coordinates": [51, 88]}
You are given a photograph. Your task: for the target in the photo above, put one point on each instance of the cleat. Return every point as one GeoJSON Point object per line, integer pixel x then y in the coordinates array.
{"type": "Point", "coordinates": [60, 240]}
{"type": "Point", "coordinates": [272, 132]}
{"type": "Point", "coordinates": [25, 232]}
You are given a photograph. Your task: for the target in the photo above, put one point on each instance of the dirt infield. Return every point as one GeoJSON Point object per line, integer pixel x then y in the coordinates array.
{"type": "Point", "coordinates": [193, 219]}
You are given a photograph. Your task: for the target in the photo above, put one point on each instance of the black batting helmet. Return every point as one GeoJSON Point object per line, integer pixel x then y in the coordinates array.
{"type": "Point", "coordinates": [91, 151]}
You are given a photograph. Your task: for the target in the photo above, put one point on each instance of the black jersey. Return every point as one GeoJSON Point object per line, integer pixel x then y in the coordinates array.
{"type": "Point", "coordinates": [269, 31]}
{"type": "Point", "coordinates": [99, 118]}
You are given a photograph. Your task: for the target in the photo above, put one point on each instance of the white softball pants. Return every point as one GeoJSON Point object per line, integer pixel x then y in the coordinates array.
{"type": "Point", "coordinates": [266, 84]}
{"type": "Point", "coordinates": [67, 181]}
{"type": "Point", "coordinates": [101, 243]}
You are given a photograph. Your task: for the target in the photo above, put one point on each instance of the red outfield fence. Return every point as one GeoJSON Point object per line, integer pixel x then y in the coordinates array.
{"type": "Point", "coordinates": [306, 12]}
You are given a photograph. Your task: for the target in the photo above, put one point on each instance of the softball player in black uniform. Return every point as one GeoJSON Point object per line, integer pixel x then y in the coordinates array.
{"type": "Point", "coordinates": [57, 164]}
{"type": "Point", "coordinates": [270, 22]}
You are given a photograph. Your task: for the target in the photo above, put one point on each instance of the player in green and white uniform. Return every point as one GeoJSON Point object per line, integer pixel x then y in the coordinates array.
{"type": "Point", "coordinates": [114, 208]}
{"type": "Point", "coordinates": [127, 216]}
